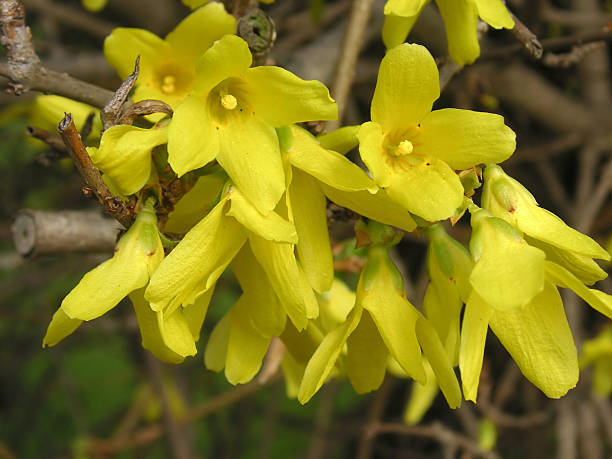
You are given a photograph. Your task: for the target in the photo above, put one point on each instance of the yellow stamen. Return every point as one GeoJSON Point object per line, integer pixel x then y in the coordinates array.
{"type": "Point", "coordinates": [168, 84]}
{"type": "Point", "coordinates": [229, 102]}
{"type": "Point", "coordinates": [404, 148]}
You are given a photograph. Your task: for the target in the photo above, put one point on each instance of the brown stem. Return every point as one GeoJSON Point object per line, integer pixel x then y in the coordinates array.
{"type": "Point", "coordinates": [114, 206]}
{"type": "Point", "coordinates": [527, 38]}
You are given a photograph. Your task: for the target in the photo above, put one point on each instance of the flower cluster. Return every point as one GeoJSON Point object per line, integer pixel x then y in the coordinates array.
{"type": "Point", "coordinates": [255, 190]}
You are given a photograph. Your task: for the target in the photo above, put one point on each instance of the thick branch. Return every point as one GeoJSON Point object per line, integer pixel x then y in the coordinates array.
{"type": "Point", "coordinates": [37, 232]}
{"type": "Point", "coordinates": [23, 67]}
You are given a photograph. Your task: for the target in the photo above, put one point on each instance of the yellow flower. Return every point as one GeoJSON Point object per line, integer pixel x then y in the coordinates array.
{"type": "Point", "coordinates": [167, 67]}
{"type": "Point", "coordinates": [124, 155]}
{"type": "Point", "coordinates": [230, 116]}
{"type": "Point", "coordinates": [460, 19]}
{"type": "Point", "coordinates": [411, 151]}
{"type": "Point", "coordinates": [381, 324]}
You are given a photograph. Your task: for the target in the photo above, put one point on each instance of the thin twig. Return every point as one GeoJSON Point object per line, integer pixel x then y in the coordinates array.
{"type": "Point", "coordinates": [179, 448]}
{"type": "Point", "coordinates": [50, 138]}
{"type": "Point", "coordinates": [575, 55]}
{"type": "Point", "coordinates": [377, 409]}
{"type": "Point", "coordinates": [439, 432]}
{"type": "Point", "coordinates": [318, 442]}
{"type": "Point", "coordinates": [114, 206]}
{"type": "Point", "coordinates": [351, 47]}
{"type": "Point", "coordinates": [111, 111]}
{"type": "Point", "coordinates": [527, 38]}
{"type": "Point", "coordinates": [148, 435]}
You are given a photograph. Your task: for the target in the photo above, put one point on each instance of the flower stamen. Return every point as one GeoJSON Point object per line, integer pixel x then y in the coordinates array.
{"type": "Point", "coordinates": [168, 84]}
{"type": "Point", "coordinates": [229, 102]}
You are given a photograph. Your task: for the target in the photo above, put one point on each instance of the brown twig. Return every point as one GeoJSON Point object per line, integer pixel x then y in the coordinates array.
{"type": "Point", "coordinates": [377, 409]}
{"type": "Point", "coordinates": [351, 47]}
{"type": "Point", "coordinates": [111, 111]}
{"type": "Point", "coordinates": [318, 442]}
{"type": "Point", "coordinates": [576, 54]}
{"type": "Point", "coordinates": [23, 68]}
{"type": "Point", "coordinates": [114, 206]}
{"type": "Point", "coordinates": [50, 138]}
{"type": "Point", "coordinates": [178, 447]}
{"type": "Point", "coordinates": [148, 435]}
{"type": "Point", "coordinates": [527, 38]}
{"type": "Point", "coordinates": [439, 432]}
{"type": "Point", "coordinates": [551, 44]}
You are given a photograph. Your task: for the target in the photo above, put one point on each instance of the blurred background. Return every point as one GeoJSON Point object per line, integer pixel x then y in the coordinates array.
{"type": "Point", "coordinates": [97, 394]}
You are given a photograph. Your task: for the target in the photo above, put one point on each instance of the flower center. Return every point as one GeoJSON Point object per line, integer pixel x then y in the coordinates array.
{"type": "Point", "coordinates": [168, 85]}
{"type": "Point", "coordinates": [229, 102]}
{"type": "Point", "coordinates": [404, 148]}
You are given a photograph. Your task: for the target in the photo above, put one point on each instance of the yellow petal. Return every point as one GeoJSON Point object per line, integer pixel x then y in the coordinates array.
{"type": "Point", "coordinates": [464, 138]}
{"type": "Point", "coordinates": [366, 361]}
{"type": "Point", "coordinates": [473, 338]}
{"type": "Point", "coordinates": [325, 165]}
{"type": "Point", "coordinates": [123, 46]}
{"type": "Point", "coordinates": [196, 262]}
{"type": "Point", "coordinates": [396, 29]}
{"type": "Point", "coordinates": [494, 13]}
{"type": "Point", "coordinates": [271, 226]}
{"type": "Point", "coordinates": [429, 189]}
{"type": "Point", "coordinates": [288, 280]}
{"type": "Point", "coordinates": [335, 304]}
{"type": "Point", "coordinates": [460, 20]}
{"type": "Point", "coordinates": [292, 373]}
{"type": "Point", "coordinates": [310, 217]}
{"type": "Point", "coordinates": [250, 154]}
{"type": "Point", "coordinates": [267, 317]}
{"type": "Point", "coordinates": [280, 98]}
{"type": "Point", "coordinates": [149, 330]}
{"type": "Point", "coordinates": [125, 155]}
{"type": "Point", "coordinates": [440, 363]}
{"type": "Point", "coordinates": [195, 204]}
{"type": "Point", "coordinates": [342, 140]}
{"type": "Point", "coordinates": [195, 313]}
{"type": "Point", "coordinates": [198, 31]}
{"type": "Point", "coordinates": [193, 140]}
{"type": "Point", "coordinates": [560, 276]}
{"type": "Point", "coordinates": [245, 348]}
{"type": "Point", "coordinates": [137, 255]}
{"type": "Point", "coordinates": [393, 315]}
{"type": "Point", "coordinates": [175, 333]}
{"type": "Point", "coordinates": [540, 341]}
{"type": "Point", "coordinates": [227, 57]}
{"type": "Point", "coordinates": [215, 352]}
{"type": "Point", "coordinates": [377, 207]}
{"type": "Point", "coordinates": [404, 8]}
{"type": "Point", "coordinates": [509, 273]}
{"type": "Point", "coordinates": [323, 360]}
{"type": "Point", "coordinates": [583, 267]}
{"type": "Point", "coordinates": [372, 152]}
{"type": "Point", "coordinates": [406, 89]}
{"type": "Point", "coordinates": [61, 326]}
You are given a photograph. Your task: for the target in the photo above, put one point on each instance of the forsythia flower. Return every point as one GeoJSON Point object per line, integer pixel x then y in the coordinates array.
{"type": "Point", "coordinates": [506, 198]}
{"type": "Point", "coordinates": [411, 151]}
{"type": "Point", "coordinates": [195, 264]}
{"type": "Point", "coordinates": [241, 338]}
{"type": "Point", "coordinates": [525, 312]}
{"type": "Point", "coordinates": [230, 116]}
{"type": "Point", "coordinates": [460, 20]}
{"type": "Point", "coordinates": [381, 324]}
{"type": "Point", "coordinates": [315, 173]}
{"type": "Point", "coordinates": [167, 67]}
{"type": "Point", "coordinates": [124, 155]}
